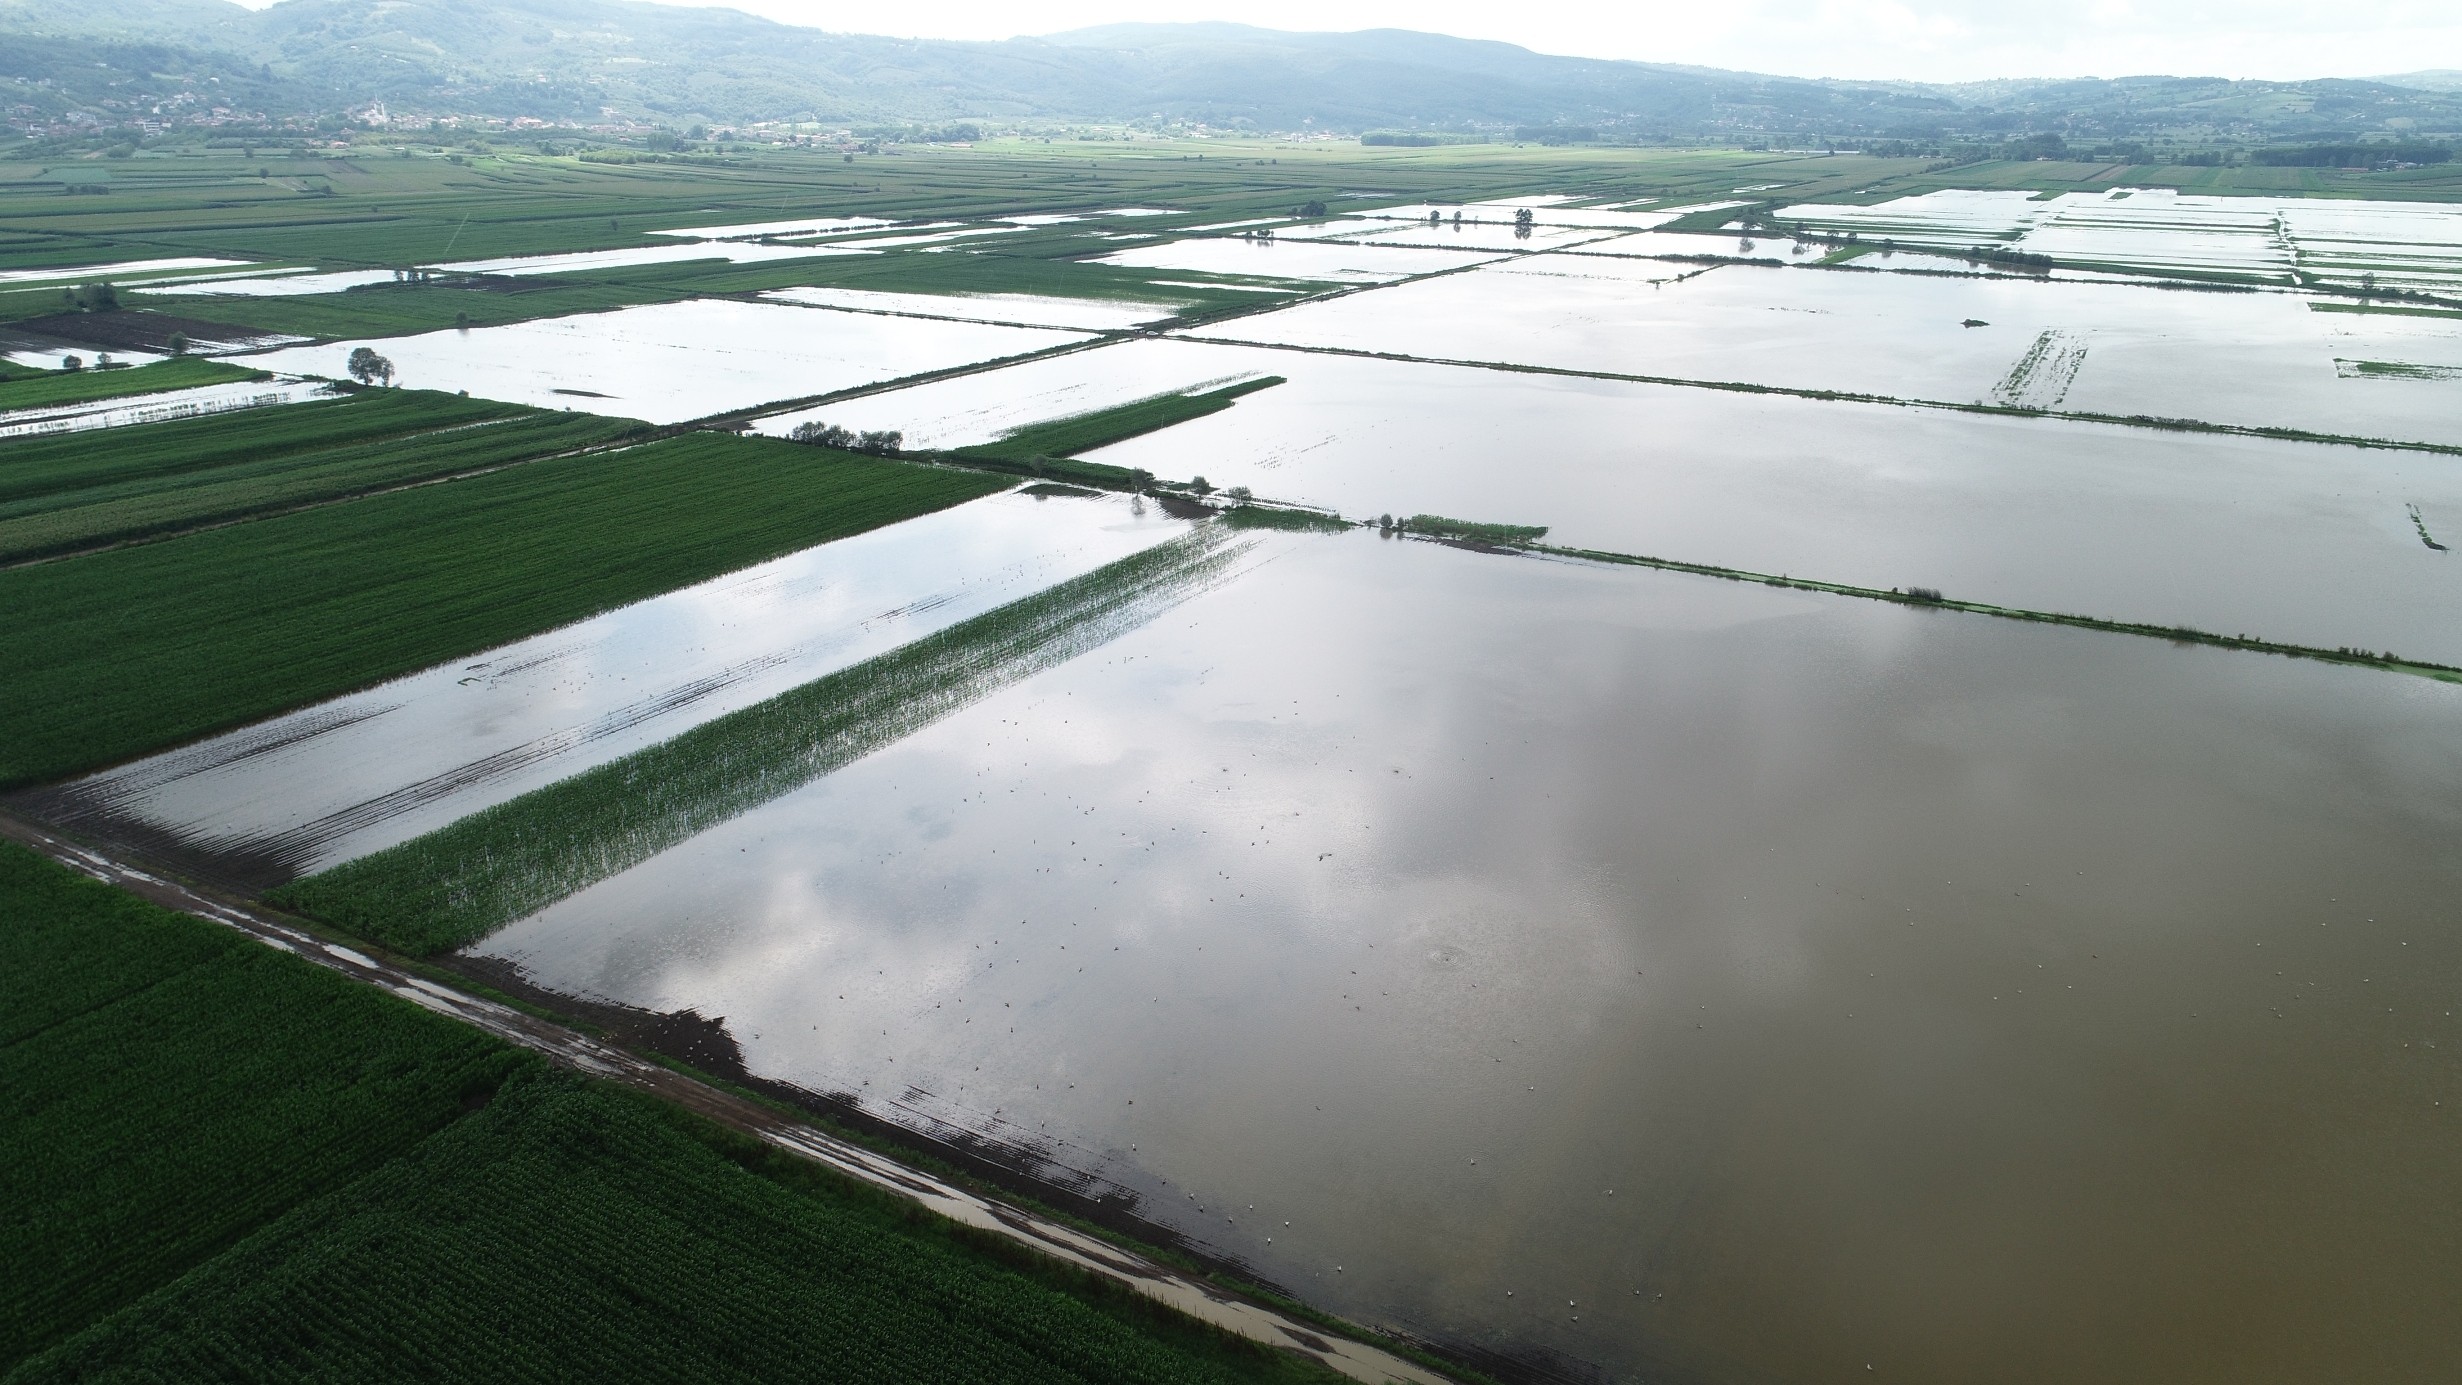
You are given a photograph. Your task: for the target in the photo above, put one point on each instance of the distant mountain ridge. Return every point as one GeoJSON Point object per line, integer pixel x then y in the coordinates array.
{"type": "Point", "coordinates": [574, 59]}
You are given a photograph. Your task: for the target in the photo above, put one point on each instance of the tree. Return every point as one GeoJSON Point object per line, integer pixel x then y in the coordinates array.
{"type": "Point", "coordinates": [1312, 207]}
{"type": "Point", "coordinates": [71, 363]}
{"type": "Point", "coordinates": [880, 444]}
{"type": "Point", "coordinates": [1201, 486]}
{"type": "Point", "coordinates": [179, 343]}
{"type": "Point", "coordinates": [91, 298]}
{"type": "Point", "coordinates": [1523, 220]}
{"type": "Point", "coordinates": [1241, 494]}
{"type": "Point", "coordinates": [368, 368]}
{"type": "Point", "coordinates": [822, 435]}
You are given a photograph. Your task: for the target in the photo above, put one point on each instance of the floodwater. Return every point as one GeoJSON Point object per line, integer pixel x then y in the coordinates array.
{"type": "Point", "coordinates": [2249, 359]}
{"type": "Point", "coordinates": [1470, 235]}
{"type": "Point", "coordinates": [733, 252]}
{"type": "Point", "coordinates": [1312, 260]}
{"type": "Point", "coordinates": [670, 362]}
{"type": "Point", "coordinates": [158, 408]}
{"type": "Point", "coordinates": [289, 285]}
{"type": "Point", "coordinates": [1697, 980]}
{"type": "Point", "coordinates": [70, 273]}
{"type": "Point", "coordinates": [2298, 542]}
{"type": "Point", "coordinates": [335, 781]}
{"type": "Point", "coordinates": [967, 410]}
{"type": "Point", "coordinates": [2158, 230]}
{"type": "Point", "coordinates": [1547, 211]}
{"type": "Point", "coordinates": [1026, 309]}
{"type": "Point", "coordinates": [805, 226]}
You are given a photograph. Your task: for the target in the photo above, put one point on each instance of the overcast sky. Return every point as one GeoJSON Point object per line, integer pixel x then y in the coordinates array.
{"type": "Point", "coordinates": [1925, 40]}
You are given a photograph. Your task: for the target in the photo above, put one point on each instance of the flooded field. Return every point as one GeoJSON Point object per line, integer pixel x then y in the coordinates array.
{"type": "Point", "coordinates": [2254, 359]}
{"type": "Point", "coordinates": [1698, 980]}
{"type": "Point", "coordinates": [2159, 230]}
{"type": "Point", "coordinates": [677, 361]}
{"type": "Point", "coordinates": [1031, 310]}
{"type": "Point", "coordinates": [1269, 259]}
{"type": "Point", "coordinates": [156, 408]}
{"type": "Point", "coordinates": [732, 252]}
{"type": "Point", "coordinates": [338, 780]}
{"type": "Point", "coordinates": [2298, 542]}
{"type": "Point", "coordinates": [1616, 973]}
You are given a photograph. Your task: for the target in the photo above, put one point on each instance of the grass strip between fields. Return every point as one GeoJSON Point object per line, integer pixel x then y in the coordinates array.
{"type": "Point", "coordinates": [464, 881]}
{"type": "Point", "coordinates": [52, 388]}
{"type": "Point", "coordinates": [115, 654]}
{"type": "Point", "coordinates": [222, 1162]}
{"type": "Point", "coordinates": [2177, 634]}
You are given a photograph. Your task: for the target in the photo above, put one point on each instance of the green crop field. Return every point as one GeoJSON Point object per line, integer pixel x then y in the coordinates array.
{"type": "Point", "coordinates": [222, 1162]}
{"type": "Point", "coordinates": [46, 389]}
{"type": "Point", "coordinates": [464, 881]}
{"type": "Point", "coordinates": [172, 1087]}
{"type": "Point", "coordinates": [117, 653]}
{"type": "Point", "coordinates": [391, 207]}
{"type": "Point", "coordinates": [77, 490]}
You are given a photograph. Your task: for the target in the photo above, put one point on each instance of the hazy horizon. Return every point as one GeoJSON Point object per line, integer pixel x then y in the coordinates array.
{"type": "Point", "coordinates": [1937, 41]}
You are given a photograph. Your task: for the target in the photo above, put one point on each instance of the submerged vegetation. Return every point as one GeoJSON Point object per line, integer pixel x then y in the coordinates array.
{"type": "Point", "coordinates": [50, 389]}
{"type": "Point", "coordinates": [462, 882]}
{"type": "Point", "coordinates": [1500, 535]}
{"type": "Point", "coordinates": [118, 653]}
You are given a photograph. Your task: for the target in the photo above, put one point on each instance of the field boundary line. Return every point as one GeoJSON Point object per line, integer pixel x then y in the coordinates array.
{"type": "Point", "coordinates": [2166, 425]}
{"type": "Point", "coordinates": [569, 1048]}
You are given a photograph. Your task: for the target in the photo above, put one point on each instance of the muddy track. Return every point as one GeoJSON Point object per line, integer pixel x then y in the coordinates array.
{"type": "Point", "coordinates": [578, 1051]}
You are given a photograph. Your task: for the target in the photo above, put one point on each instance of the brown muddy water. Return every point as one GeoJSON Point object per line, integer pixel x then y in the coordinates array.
{"type": "Point", "coordinates": [1654, 975]}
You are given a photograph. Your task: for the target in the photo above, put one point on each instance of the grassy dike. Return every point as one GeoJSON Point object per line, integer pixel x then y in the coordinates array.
{"type": "Point", "coordinates": [224, 1162]}
{"type": "Point", "coordinates": [461, 882]}
{"type": "Point", "coordinates": [2177, 634]}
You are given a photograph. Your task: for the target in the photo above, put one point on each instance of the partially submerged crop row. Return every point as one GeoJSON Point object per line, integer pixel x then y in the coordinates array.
{"type": "Point", "coordinates": [460, 883]}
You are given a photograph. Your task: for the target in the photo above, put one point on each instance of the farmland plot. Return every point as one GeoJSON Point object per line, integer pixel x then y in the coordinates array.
{"type": "Point", "coordinates": [338, 780]}
{"type": "Point", "coordinates": [2297, 542]}
{"type": "Point", "coordinates": [2247, 359]}
{"type": "Point", "coordinates": [1535, 955]}
{"type": "Point", "coordinates": [670, 362]}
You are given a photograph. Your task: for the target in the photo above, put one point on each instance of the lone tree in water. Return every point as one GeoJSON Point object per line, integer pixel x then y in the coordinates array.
{"type": "Point", "coordinates": [368, 368]}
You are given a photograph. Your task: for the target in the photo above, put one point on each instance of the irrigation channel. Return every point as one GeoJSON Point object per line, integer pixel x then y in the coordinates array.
{"type": "Point", "coordinates": [1163, 1283]}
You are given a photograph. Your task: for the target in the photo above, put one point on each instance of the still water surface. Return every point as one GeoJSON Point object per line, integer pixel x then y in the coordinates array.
{"type": "Point", "coordinates": [354, 774]}
{"type": "Point", "coordinates": [1696, 979]}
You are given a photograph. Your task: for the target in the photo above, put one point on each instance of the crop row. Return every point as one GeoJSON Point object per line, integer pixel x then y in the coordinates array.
{"type": "Point", "coordinates": [118, 653]}
{"type": "Point", "coordinates": [46, 389]}
{"type": "Point", "coordinates": [172, 1086]}
{"type": "Point", "coordinates": [465, 880]}
{"type": "Point", "coordinates": [224, 1163]}
{"type": "Point", "coordinates": [60, 494]}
